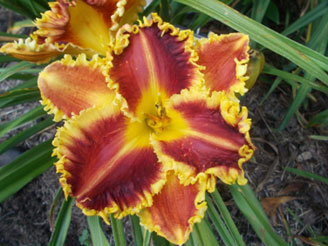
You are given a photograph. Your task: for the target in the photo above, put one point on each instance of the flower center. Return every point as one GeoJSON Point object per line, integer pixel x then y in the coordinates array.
{"type": "Point", "coordinates": [159, 121]}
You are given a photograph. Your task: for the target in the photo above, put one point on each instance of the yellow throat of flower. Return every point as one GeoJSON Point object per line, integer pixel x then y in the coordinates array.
{"type": "Point", "coordinates": [159, 121]}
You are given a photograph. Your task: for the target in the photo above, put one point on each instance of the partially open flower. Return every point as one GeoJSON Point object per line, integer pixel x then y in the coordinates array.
{"type": "Point", "coordinates": [151, 126]}
{"type": "Point", "coordinates": [75, 27]}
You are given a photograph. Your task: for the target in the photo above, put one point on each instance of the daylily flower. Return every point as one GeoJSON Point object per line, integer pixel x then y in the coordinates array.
{"type": "Point", "coordinates": [151, 116]}
{"type": "Point", "coordinates": [75, 27]}
{"type": "Point", "coordinates": [152, 125]}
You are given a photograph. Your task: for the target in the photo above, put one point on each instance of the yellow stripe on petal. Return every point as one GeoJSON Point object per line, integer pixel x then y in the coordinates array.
{"type": "Point", "coordinates": [175, 210]}
{"type": "Point", "coordinates": [70, 86]}
{"type": "Point", "coordinates": [101, 167]}
{"type": "Point", "coordinates": [225, 60]}
{"type": "Point", "coordinates": [215, 139]}
{"type": "Point", "coordinates": [151, 62]}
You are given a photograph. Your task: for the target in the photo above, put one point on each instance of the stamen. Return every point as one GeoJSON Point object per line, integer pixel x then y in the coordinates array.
{"type": "Point", "coordinates": [159, 122]}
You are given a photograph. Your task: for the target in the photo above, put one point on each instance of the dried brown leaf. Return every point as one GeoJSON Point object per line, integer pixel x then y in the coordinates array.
{"type": "Point", "coordinates": [270, 205]}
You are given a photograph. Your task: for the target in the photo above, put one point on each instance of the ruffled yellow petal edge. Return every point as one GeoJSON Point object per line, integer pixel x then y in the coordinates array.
{"type": "Point", "coordinates": [200, 205]}
{"type": "Point", "coordinates": [71, 127]}
{"type": "Point", "coordinates": [241, 66]}
{"type": "Point", "coordinates": [128, 14]}
{"type": "Point", "coordinates": [29, 50]}
{"type": "Point", "coordinates": [121, 41]}
{"type": "Point", "coordinates": [230, 111]}
{"type": "Point", "coordinates": [103, 64]}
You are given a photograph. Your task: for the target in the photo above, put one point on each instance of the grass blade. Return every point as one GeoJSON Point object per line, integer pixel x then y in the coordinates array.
{"type": "Point", "coordinates": [297, 102]}
{"type": "Point", "coordinates": [22, 170]}
{"type": "Point", "coordinates": [219, 224]}
{"type": "Point", "coordinates": [307, 174]}
{"type": "Point", "coordinates": [253, 211]}
{"type": "Point", "coordinates": [63, 221]}
{"type": "Point", "coordinates": [118, 231]}
{"type": "Point", "coordinates": [268, 69]}
{"type": "Point", "coordinates": [203, 234]}
{"type": "Point", "coordinates": [308, 18]}
{"type": "Point", "coordinates": [7, 72]}
{"type": "Point", "coordinates": [31, 115]}
{"type": "Point", "coordinates": [146, 237]}
{"type": "Point", "coordinates": [19, 96]}
{"type": "Point", "coordinates": [14, 140]}
{"type": "Point", "coordinates": [259, 9]}
{"type": "Point", "coordinates": [319, 119]}
{"type": "Point", "coordinates": [97, 234]}
{"type": "Point", "coordinates": [136, 229]}
{"type": "Point", "coordinates": [304, 57]}
{"type": "Point", "coordinates": [159, 241]}
{"type": "Point", "coordinates": [319, 137]}
{"type": "Point", "coordinates": [15, 6]}
{"type": "Point", "coordinates": [7, 59]}
{"type": "Point", "coordinates": [30, 83]}
{"type": "Point", "coordinates": [274, 85]}
{"type": "Point", "coordinates": [227, 218]}
{"type": "Point", "coordinates": [53, 207]}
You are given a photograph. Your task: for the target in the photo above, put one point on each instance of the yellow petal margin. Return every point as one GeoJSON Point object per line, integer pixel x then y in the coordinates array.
{"type": "Point", "coordinates": [214, 141]}
{"type": "Point", "coordinates": [108, 169]}
{"type": "Point", "coordinates": [69, 86]}
{"type": "Point", "coordinates": [225, 59]}
{"type": "Point", "coordinates": [175, 210]}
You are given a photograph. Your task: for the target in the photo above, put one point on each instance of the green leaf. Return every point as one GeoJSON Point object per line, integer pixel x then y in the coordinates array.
{"type": "Point", "coordinates": [201, 20]}
{"type": "Point", "coordinates": [30, 83]}
{"type": "Point", "coordinates": [8, 71]}
{"type": "Point", "coordinates": [248, 204]}
{"type": "Point", "coordinates": [136, 229]}
{"type": "Point", "coordinates": [7, 59]}
{"type": "Point", "coordinates": [273, 12]}
{"type": "Point", "coordinates": [97, 235]}
{"type": "Point", "coordinates": [274, 85]}
{"type": "Point", "coordinates": [319, 137]}
{"type": "Point", "coordinates": [5, 34]}
{"type": "Point", "coordinates": [319, 119]}
{"type": "Point", "coordinates": [259, 9]}
{"type": "Point", "coordinates": [26, 167]}
{"type": "Point", "coordinates": [118, 231]}
{"type": "Point", "coordinates": [165, 10]}
{"type": "Point", "coordinates": [304, 57]}
{"type": "Point", "coordinates": [159, 241]}
{"type": "Point", "coordinates": [268, 69]}
{"type": "Point", "coordinates": [19, 96]}
{"type": "Point", "coordinates": [53, 207]}
{"type": "Point", "coordinates": [63, 221]}
{"type": "Point", "coordinates": [318, 42]}
{"type": "Point", "coordinates": [31, 115]}
{"type": "Point", "coordinates": [297, 102]}
{"type": "Point", "coordinates": [17, 138]}
{"type": "Point", "coordinates": [221, 228]}
{"type": "Point", "coordinates": [203, 234]}
{"type": "Point", "coordinates": [307, 174]}
{"type": "Point", "coordinates": [30, 9]}
{"type": "Point", "coordinates": [16, 7]}
{"type": "Point", "coordinates": [308, 18]}
{"type": "Point", "coordinates": [152, 7]}
{"type": "Point", "coordinates": [84, 238]}
{"type": "Point", "coordinates": [227, 218]}
{"type": "Point", "coordinates": [146, 237]}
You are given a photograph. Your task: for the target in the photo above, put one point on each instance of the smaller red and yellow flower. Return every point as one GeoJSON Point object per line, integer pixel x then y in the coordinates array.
{"type": "Point", "coordinates": [150, 127]}
{"type": "Point", "coordinates": [75, 27]}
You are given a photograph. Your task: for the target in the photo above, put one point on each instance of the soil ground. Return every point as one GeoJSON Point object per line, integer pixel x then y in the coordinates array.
{"type": "Point", "coordinates": [24, 218]}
